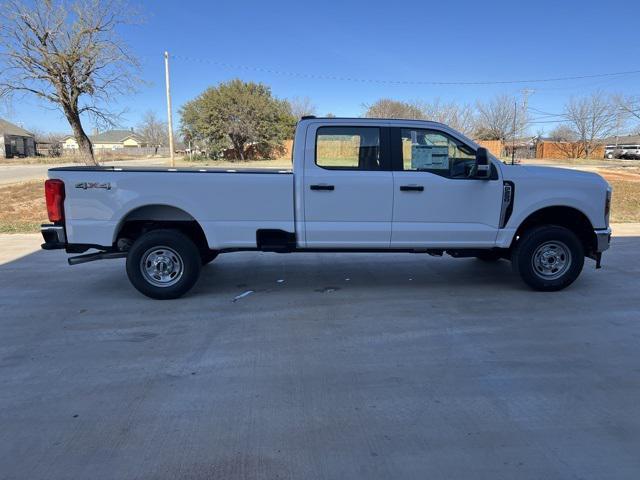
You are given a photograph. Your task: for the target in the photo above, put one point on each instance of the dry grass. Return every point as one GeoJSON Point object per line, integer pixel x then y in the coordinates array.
{"type": "Point", "coordinates": [77, 160]}
{"type": "Point", "coordinates": [38, 160]}
{"type": "Point", "coordinates": [575, 162]}
{"type": "Point", "coordinates": [23, 207]}
{"type": "Point", "coordinates": [625, 203]}
{"type": "Point", "coordinates": [278, 163]}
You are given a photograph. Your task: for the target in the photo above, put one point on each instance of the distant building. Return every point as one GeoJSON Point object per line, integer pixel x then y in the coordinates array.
{"type": "Point", "coordinates": [15, 141]}
{"type": "Point", "coordinates": [621, 140]}
{"type": "Point", "coordinates": [109, 140]}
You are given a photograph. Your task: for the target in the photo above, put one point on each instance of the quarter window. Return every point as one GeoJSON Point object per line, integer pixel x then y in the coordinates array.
{"type": "Point", "coordinates": [435, 152]}
{"type": "Point", "coordinates": [348, 148]}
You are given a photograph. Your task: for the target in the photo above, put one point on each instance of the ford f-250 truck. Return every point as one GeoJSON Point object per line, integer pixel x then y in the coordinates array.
{"type": "Point", "coordinates": [366, 185]}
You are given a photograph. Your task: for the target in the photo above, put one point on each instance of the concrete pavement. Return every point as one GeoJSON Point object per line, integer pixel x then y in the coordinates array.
{"type": "Point", "coordinates": [23, 173]}
{"type": "Point", "coordinates": [355, 366]}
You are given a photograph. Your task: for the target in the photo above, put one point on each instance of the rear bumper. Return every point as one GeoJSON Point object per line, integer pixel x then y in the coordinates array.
{"type": "Point", "coordinates": [54, 236]}
{"type": "Point", "coordinates": [603, 239]}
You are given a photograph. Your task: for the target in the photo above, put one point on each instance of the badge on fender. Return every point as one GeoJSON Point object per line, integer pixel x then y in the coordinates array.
{"type": "Point", "coordinates": [87, 185]}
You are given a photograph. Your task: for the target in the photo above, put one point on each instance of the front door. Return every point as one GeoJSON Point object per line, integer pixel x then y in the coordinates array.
{"type": "Point", "coordinates": [348, 187]}
{"type": "Point", "coordinates": [437, 202]}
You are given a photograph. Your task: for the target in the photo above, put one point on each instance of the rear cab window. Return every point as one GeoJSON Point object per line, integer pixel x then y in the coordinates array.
{"type": "Point", "coordinates": [349, 148]}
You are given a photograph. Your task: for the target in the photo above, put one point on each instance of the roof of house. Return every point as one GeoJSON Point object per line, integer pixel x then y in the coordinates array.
{"type": "Point", "coordinates": [8, 128]}
{"type": "Point", "coordinates": [114, 136]}
{"type": "Point", "coordinates": [110, 136]}
{"type": "Point", "coordinates": [622, 140]}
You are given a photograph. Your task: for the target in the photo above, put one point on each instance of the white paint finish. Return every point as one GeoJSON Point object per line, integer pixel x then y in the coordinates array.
{"type": "Point", "coordinates": [449, 212]}
{"type": "Point", "coordinates": [540, 187]}
{"type": "Point", "coordinates": [230, 207]}
{"type": "Point", "coordinates": [356, 214]}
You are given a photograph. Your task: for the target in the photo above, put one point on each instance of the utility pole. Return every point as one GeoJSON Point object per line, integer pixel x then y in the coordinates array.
{"type": "Point", "coordinates": [513, 136]}
{"type": "Point", "coordinates": [525, 98]}
{"type": "Point", "coordinates": [525, 105]}
{"type": "Point", "coordinates": [169, 114]}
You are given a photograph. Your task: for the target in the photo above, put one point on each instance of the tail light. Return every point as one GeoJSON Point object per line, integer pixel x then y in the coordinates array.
{"type": "Point", "coordinates": [54, 193]}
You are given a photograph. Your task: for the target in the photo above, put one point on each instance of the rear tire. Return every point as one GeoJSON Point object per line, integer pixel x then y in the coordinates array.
{"type": "Point", "coordinates": [548, 258]}
{"type": "Point", "coordinates": [163, 264]}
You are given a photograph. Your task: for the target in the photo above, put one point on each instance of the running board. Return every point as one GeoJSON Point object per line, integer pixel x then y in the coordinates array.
{"type": "Point", "coordinates": [92, 257]}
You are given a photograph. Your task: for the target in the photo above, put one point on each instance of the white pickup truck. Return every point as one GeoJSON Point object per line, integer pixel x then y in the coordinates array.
{"type": "Point", "coordinates": [366, 185]}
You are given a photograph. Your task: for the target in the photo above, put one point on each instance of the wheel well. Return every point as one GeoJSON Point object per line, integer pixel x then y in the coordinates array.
{"type": "Point", "coordinates": [155, 217]}
{"type": "Point", "coordinates": [567, 217]}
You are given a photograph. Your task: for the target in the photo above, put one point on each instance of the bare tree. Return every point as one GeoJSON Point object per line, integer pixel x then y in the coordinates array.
{"type": "Point", "coordinates": [153, 130]}
{"type": "Point", "coordinates": [68, 54]}
{"type": "Point", "coordinates": [388, 108]}
{"type": "Point", "coordinates": [301, 107]}
{"type": "Point", "coordinates": [630, 105]}
{"type": "Point", "coordinates": [592, 119]}
{"type": "Point", "coordinates": [563, 133]}
{"type": "Point", "coordinates": [459, 117]}
{"type": "Point", "coordinates": [496, 119]}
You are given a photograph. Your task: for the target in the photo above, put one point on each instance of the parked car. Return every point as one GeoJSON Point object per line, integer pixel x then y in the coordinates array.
{"type": "Point", "coordinates": [630, 152]}
{"type": "Point", "coordinates": [610, 151]}
{"type": "Point", "coordinates": [369, 185]}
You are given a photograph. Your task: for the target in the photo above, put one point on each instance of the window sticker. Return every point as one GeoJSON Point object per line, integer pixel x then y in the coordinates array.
{"type": "Point", "coordinates": [431, 157]}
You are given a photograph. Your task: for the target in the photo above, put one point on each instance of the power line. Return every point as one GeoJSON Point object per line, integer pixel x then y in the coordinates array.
{"type": "Point", "coordinates": [313, 76]}
{"type": "Point", "coordinates": [564, 117]}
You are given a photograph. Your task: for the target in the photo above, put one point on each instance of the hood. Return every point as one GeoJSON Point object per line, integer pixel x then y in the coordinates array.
{"type": "Point", "coordinates": [514, 172]}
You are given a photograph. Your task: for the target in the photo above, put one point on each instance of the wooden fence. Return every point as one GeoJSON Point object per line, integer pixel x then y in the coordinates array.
{"type": "Point", "coordinates": [125, 152]}
{"type": "Point", "coordinates": [495, 147]}
{"type": "Point", "coordinates": [566, 150]}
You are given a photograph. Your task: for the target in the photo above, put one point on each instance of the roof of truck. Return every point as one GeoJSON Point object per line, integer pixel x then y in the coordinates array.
{"type": "Point", "coordinates": [371, 119]}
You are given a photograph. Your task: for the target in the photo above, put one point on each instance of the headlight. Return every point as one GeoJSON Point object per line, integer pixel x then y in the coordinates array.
{"type": "Point", "coordinates": [607, 207]}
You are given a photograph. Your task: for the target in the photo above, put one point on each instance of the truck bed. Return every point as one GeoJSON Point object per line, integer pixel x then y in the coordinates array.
{"type": "Point", "coordinates": [230, 206]}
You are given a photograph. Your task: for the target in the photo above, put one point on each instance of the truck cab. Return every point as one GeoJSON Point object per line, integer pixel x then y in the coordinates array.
{"type": "Point", "coordinates": [376, 185]}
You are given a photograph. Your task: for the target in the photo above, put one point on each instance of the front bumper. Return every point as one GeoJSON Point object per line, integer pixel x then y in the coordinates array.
{"type": "Point", "coordinates": [603, 239]}
{"type": "Point", "coordinates": [54, 236]}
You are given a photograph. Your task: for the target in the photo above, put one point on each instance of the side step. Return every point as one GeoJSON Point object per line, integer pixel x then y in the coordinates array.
{"type": "Point", "coordinates": [92, 257]}
{"type": "Point", "coordinates": [271, 240]}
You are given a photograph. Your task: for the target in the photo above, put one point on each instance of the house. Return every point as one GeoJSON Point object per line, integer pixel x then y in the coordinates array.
{"type": "Point", "coordinates": [621, 140]}
{"type": "Point", "coordinates": [15, 141]}
{"type": "Point", "coordinates": [109, 140]}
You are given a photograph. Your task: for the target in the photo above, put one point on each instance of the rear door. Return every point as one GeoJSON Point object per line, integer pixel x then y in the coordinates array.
{"type": "Point", "coordinates": [438, 202]}
{"type": "Point", "coordinates": [348, 187]}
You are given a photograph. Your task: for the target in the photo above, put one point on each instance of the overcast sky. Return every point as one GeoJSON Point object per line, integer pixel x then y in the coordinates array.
{"type": "Point", "coordinates": [378, 42]}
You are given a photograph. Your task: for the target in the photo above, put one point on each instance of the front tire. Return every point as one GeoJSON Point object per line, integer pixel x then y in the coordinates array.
{"type": "Point", "coordinates": [548, 258]}
{"type": "Point", "coordinates": [163, 264]}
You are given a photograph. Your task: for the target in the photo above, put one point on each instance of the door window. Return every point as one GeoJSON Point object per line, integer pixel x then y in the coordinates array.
{"type": "Point", "coordinates": [348, 148]}
{"type": "Point", "coordinates": [436, 152]}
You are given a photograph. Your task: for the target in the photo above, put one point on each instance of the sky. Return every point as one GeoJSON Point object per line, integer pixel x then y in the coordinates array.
{"type": "Point", "coordinates": [379, 42]}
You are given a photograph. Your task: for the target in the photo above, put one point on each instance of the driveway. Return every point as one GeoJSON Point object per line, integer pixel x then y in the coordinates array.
{"type": "Point", "coordinates": [336, 366]}
{"type": "Point", "coordinates": [22, 173]}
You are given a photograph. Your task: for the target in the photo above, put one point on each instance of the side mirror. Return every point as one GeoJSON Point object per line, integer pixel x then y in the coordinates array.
{"type": "Point", "coordinates": [483, 165]}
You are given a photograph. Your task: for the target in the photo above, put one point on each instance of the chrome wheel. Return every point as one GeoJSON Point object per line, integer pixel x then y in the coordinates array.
{"type": "Point", "coordinates": [551, 260]}
{"type": "Point", "coordinates": [161, 266]}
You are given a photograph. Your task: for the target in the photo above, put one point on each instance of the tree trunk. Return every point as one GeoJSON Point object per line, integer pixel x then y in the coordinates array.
{"type": "Point", "coordinates": [239, 148]}
{"type": "Point", "coordinates": [84, 144]}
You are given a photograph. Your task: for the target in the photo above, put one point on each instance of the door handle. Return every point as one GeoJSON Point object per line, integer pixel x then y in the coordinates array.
{"type": "Point", "coordinates": [411, 188]}
{"type": "Point", "coordinates": [322, 186]}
